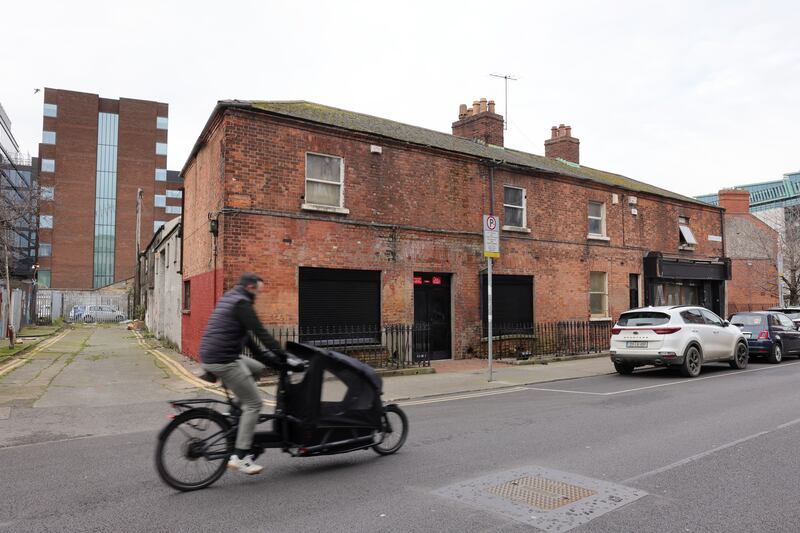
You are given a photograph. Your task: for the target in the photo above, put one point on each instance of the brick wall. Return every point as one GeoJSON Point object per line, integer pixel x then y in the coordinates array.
{"type": "Point", "coordinates": [414, 210]}
{"type": "Point", "coordinates": [203, 195]}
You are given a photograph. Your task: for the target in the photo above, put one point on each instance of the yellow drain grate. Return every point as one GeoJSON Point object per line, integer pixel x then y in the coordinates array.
{"type": "Point", "coordinates": [541, 493]}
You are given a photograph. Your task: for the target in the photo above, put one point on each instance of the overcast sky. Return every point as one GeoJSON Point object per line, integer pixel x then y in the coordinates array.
{"type": "Point", "coordinates": [691, 96]}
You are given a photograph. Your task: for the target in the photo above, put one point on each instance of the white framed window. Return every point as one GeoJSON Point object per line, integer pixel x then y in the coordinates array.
{"type": "Point", "coordinates": [161, 174]}
{"type": "Point", "coordinates": [45, 249]}
{"type": "Point", "coordinates": [324, 181]}
{"type": "Point", "coordinates": [171, 193]}
{"type": "Point", "coordinates": [50, 110]}
{"type": "Point", "coordinates": [48, 137]}
{"type": "Point", "coordinates": [597, 219]}
{"type": "Point", "coordinates": [687, 239]}
{"type": "Point", "coordinates": [48, 165]}
{"type": "Point", "coordinates": [173, 210]}
{"type": "Point", "coordinates": [46, 221]}
{"type": "Point", "coordinates": [514, 207]}
{"type": "Point", "coordinates": [157, 225]}
{"type": "Point", "coordinates": [161, 148]}
{"type": "Point", "coordinates": [598, 294]}
{"type": "Point", "coordinates": [48, 193]}
{"type": "Point", "coordinates": [161, 200]}
{"type": "Point", "coordinates": [162, 123]}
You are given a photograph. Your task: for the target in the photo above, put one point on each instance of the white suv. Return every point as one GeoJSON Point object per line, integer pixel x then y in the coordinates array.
{"type": "Point", "coordinates": [682, 335]}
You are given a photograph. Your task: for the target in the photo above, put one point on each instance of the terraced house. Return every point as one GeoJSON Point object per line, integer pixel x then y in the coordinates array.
{"type": "Point", "coordinates": [355, 220]}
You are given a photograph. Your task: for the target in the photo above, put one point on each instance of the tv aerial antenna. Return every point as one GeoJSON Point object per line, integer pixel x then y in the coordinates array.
{"type": "Point", "coordinates": [506, 79]}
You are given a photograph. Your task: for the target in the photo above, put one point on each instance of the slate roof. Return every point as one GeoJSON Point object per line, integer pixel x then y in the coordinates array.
{"type": "Point", "coordinates": [360, 122]}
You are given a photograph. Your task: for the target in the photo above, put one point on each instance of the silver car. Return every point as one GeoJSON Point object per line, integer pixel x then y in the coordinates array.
{"type": "Point", "coordinates": [102, 313]}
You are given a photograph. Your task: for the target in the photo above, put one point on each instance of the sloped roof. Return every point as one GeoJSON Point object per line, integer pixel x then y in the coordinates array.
{"type": "Point", "coordinates": [360, 122]}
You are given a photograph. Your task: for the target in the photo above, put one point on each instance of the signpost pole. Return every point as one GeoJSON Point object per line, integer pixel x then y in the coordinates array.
{"type": "Point", "coordinates": [491, 250]}
{"type": "Point", "coordinates": [489, 314]}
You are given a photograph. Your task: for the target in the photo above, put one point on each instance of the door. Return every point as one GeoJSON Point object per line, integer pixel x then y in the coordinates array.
{"type": "Point", "coordinates": [432, 307]}
{"type": "Point", "coordinates": [719, 337]}
{"type": "Point", "coordinates": [789, 334]}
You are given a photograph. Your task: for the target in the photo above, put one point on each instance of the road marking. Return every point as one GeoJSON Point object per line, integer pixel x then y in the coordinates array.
{"type": "Point", "coordinates": [456, 396]}
{"type": "Point", "coordinates": [688, 380]}
{"type": "Point", "coordinates": [571, 391]}
{"type": "Point", "coordinates": [182, 372]}
{"type": "Point", "coordinates": [706, 453]}
{"type": "Point", "coordinates": [18, 362]}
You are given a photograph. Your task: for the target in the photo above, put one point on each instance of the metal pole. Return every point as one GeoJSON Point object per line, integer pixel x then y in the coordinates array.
{"type": "Point", "coordinates": [489, 274]}
{"type": "Point", "coordinates": [137, 288]}
{"type": "Point", "coordinates": [489, 315]}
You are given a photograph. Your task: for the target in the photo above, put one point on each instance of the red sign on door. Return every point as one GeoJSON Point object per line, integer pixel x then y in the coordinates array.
{"type": "Point", "coordinates": [417, 280]}
{"type": "Point", "coordinates": [437, 280]}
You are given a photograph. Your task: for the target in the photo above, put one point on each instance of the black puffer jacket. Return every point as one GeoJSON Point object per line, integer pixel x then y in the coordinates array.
{"type": "Point", "coordinates": [225, 337]}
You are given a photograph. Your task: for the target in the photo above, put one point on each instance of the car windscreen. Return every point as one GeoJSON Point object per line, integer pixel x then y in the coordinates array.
{"type": "Point", "coordinates": [642, 318]}
{"type": "Point", "coordinates": [752, 323]}
{"type": "Point", "coordinates": [793, 316]}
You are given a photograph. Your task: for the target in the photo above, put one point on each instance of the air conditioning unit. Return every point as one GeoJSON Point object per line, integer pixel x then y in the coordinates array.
{"type": "Point", "coordinates": [632, 200]}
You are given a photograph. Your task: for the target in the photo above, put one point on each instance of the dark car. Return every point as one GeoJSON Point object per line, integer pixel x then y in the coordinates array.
{"type": "Point", "coordinates": [769, 334]}
{"type": "Point", "coordinates": [791, 312]}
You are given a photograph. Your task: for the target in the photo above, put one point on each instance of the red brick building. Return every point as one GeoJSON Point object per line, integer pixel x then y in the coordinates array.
{"type": "Point", "coordinates": [753, 248]}
{"type": "Point", "coordinates": [94, 156]}
{"type": "Point", "coordinates": [353, 219]}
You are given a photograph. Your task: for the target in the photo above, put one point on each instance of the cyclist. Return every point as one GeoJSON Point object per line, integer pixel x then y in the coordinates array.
{"type": "Point", "coordinates": [232, 326]}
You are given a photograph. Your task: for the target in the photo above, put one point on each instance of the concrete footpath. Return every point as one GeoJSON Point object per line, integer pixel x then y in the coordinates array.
{"type": "Point", "coordinates": [442, 378]}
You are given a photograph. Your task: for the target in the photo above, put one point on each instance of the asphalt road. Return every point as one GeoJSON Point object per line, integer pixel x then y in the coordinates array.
{"type": "Point", "coordinates": [718, 453]}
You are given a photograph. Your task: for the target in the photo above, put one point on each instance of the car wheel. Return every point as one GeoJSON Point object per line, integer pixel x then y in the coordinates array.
{"type": "Point", "coordinates": [740, 356]}
{"type": "Point", "coordinates": [776, 356]}
{"type": "Point", "coordinates": [88, 318]}
{"type": "Point", "coordinates": [625, 369]}
{"type": "Point", "coordinates": [692, 361]}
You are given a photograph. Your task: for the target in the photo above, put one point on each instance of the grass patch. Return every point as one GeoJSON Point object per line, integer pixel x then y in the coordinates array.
{"type": "Point", "coordinates": [38, 331]}
{"type": "Point", "coordinates": [96, 357]}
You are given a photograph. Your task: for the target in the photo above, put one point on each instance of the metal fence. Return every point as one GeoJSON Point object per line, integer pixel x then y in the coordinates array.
{"type": "Point", "coordinates": [531, 340]}
{"type": "Point", "coordinates": [80, 306]}
{"type": "Point", "coordinates": [393, 346]}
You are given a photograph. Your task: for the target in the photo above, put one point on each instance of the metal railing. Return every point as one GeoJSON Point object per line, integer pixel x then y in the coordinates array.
{"type": "Point", "coordinates": [532, 340]}
{"type": "Point", "coordinates": [392, 346]}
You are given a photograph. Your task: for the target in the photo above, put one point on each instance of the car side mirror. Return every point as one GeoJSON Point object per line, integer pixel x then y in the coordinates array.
{"type": "Point", "coordinates": [725, 323]}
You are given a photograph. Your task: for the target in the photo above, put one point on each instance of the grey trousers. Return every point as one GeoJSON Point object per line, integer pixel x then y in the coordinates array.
{"type": "Point", "coordinates": [239, 377]}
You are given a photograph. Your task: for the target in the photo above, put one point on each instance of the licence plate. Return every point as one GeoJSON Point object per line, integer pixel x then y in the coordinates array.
{"type": "Point", "coordinates": [636, 344]}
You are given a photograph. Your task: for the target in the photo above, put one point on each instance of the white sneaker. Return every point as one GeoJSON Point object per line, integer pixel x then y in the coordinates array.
{"type": "Point", "coordinates": [246, 465]}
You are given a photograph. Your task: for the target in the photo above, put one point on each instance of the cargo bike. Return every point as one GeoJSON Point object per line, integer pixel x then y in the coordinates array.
{"type": "Point", "coordinates": [327, 403]}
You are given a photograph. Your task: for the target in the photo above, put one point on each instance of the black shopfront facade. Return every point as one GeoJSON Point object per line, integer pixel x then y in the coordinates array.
{"type": "Point", "coordinates": [686, 281]}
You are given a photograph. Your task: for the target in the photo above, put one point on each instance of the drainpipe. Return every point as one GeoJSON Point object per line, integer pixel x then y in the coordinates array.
{"type": "Point", "coordinates": [724, 296]}
{"type": "Point", "coordinates": [180, 230]}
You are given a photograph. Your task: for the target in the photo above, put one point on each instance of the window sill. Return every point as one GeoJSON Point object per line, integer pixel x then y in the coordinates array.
{"type": "Point", "coordinates": [325, 209]}
{"type": "Point", "coordinates": [516, 229]}
{"type": "Point", "coordinates": [186, 312]}
{"type": "Point", "coordinates": [592, 237]}
{"type": "Point", "coordinates": [600, 319]}
{"type": "Point", "coordinates": [686, 247]}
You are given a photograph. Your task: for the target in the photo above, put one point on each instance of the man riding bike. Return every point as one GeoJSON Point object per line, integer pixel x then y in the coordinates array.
{"type": "Point", "coordinates": [232, 326]}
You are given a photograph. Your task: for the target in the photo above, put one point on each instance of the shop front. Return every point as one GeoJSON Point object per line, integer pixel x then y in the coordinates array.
{"type": "Point", "coordinates": [686, 281]}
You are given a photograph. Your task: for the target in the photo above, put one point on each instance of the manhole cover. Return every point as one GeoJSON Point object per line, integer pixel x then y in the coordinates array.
{"type": "Point", "coordinates": [546, 499]}
{"type": "Point", "coordinates": [542, 493]}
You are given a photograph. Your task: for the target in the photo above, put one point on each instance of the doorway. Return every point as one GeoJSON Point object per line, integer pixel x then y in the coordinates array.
{"type": "Point", "coordinates": [432, 307]}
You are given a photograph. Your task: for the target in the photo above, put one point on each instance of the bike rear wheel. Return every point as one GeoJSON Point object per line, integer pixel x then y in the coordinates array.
{"type": "Point", "coordinates": [394, 430]}
{"type": "Point", "coordinates": [193, 450]}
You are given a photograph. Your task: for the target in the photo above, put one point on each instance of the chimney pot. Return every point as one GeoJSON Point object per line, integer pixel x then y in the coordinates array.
{"type": "Point", "coordinates": [562, 144]}
{"type": "Point", "coordinates": [480, 123]}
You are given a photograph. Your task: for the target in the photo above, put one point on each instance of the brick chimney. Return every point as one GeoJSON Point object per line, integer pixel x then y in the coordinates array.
{"type": "Point", "coordinates": [562, 144]}
{"type": "Point", "coordinates": [479, 122]}
{"type": "Point", "coordinates": [735, 201]}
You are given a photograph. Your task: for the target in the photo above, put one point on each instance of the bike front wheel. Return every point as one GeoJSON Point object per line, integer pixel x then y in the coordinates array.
{"type": "Point", "coordinates": [394, 430]}
{"type": "Point", "coordinates": [193, 450]}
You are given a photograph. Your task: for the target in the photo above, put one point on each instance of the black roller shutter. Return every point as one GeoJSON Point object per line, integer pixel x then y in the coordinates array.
{"type": "Point", "coordinates": [339, 298]}
{"type": "Point", "coordinates": [512, 305]}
